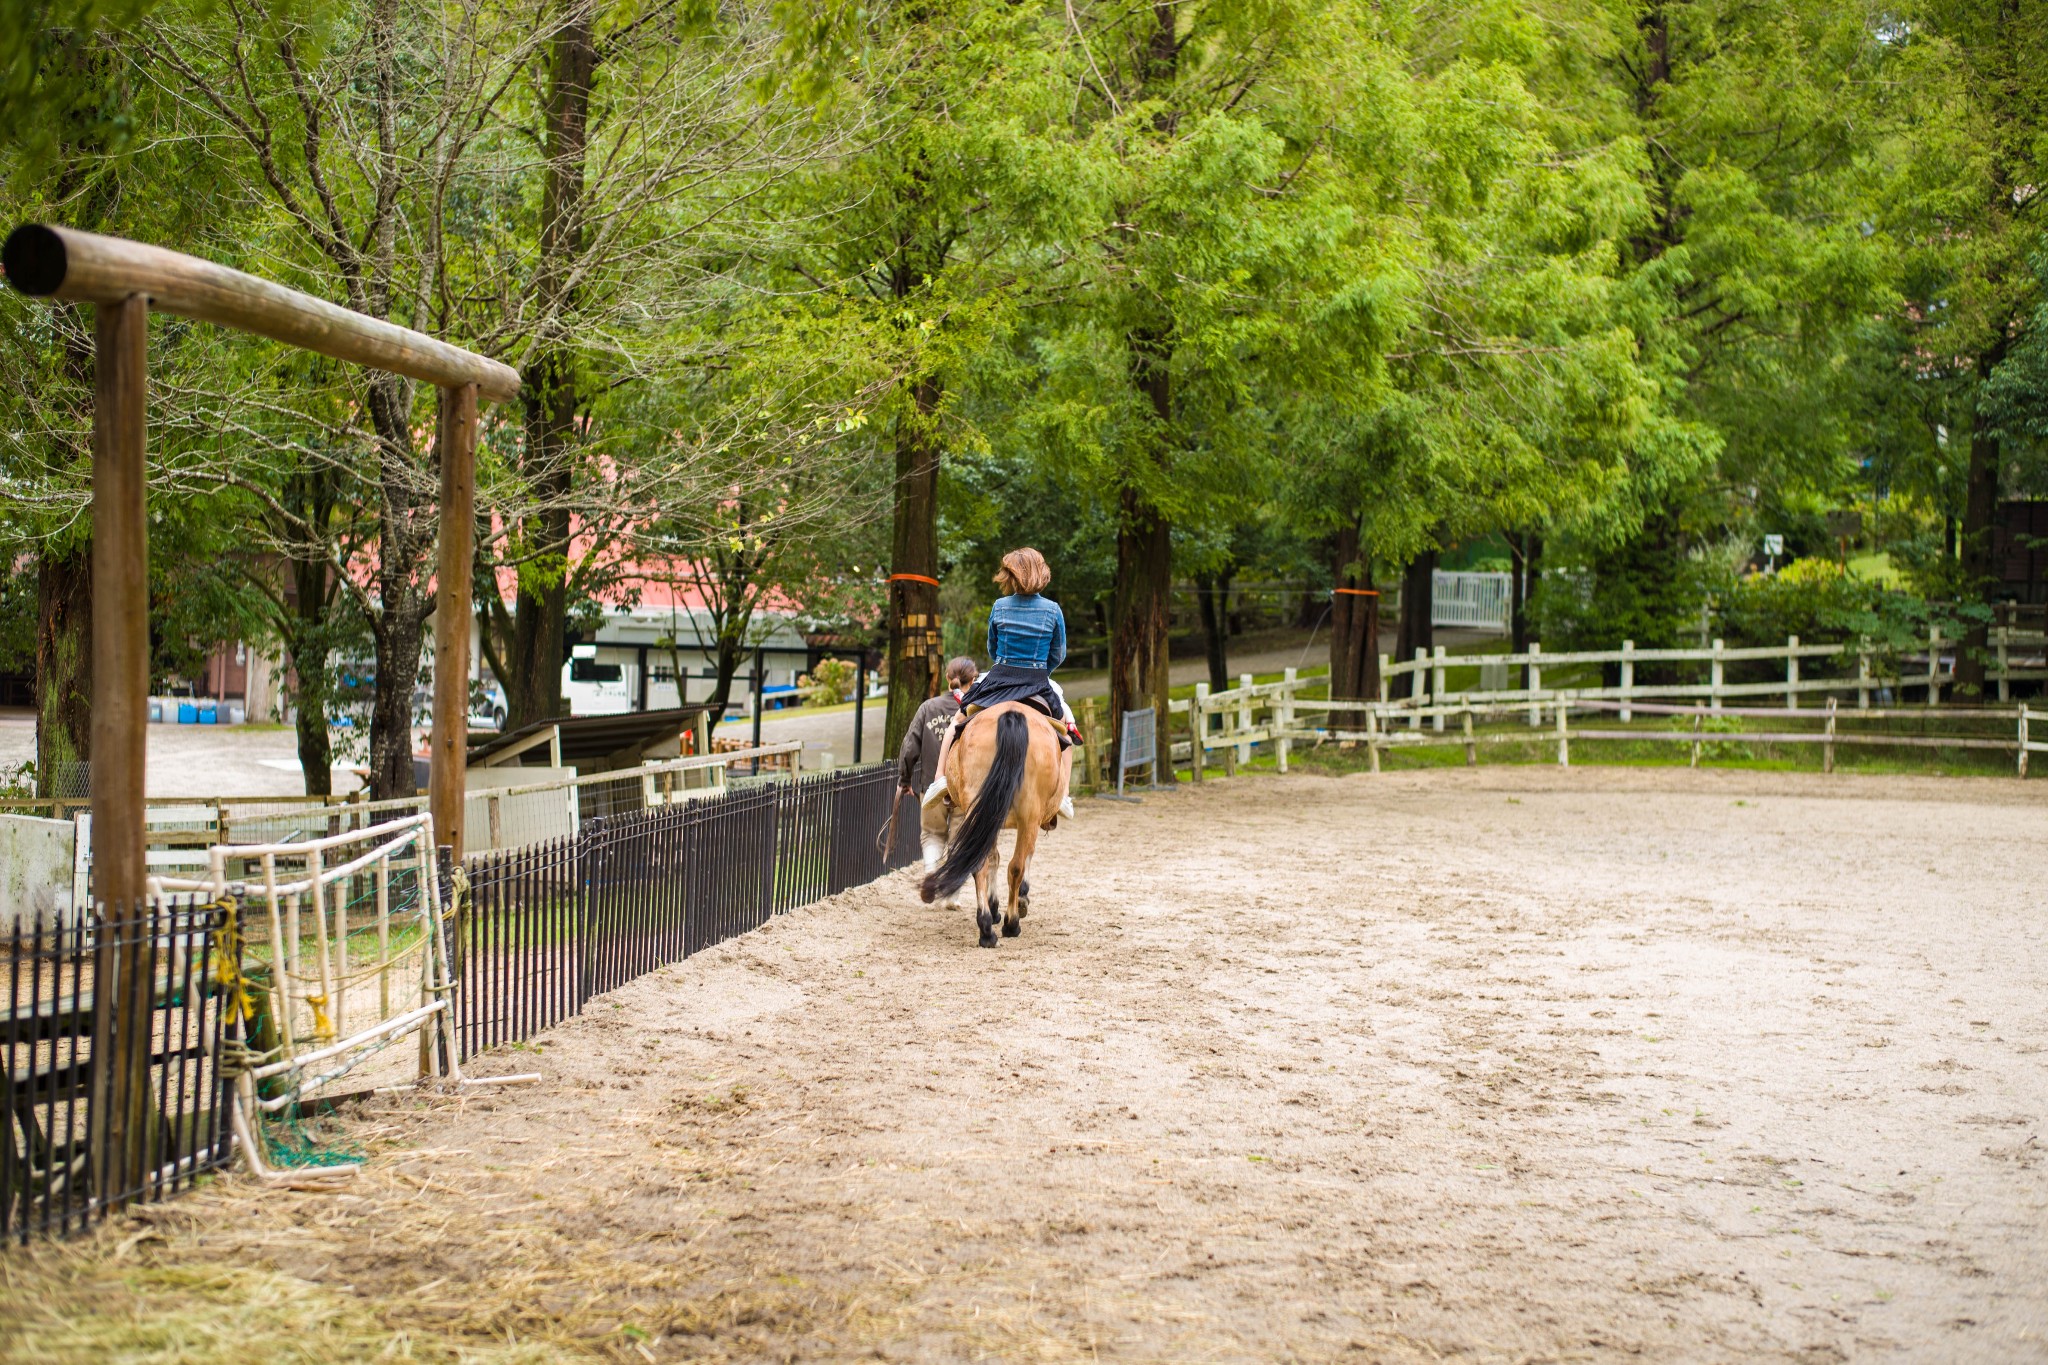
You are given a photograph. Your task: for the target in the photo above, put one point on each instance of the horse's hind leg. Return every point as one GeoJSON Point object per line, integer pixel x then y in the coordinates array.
{"type": "Point", "coordinates": [1020, 863]}
{"type": "Point", "coordinates": [984, 902]}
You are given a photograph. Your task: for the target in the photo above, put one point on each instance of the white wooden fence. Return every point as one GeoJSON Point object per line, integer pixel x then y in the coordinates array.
{"type": "Point", "coordinates": [1281, 714]}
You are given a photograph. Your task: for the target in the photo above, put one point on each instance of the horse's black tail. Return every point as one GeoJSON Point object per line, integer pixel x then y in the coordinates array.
{"type": "Point", "coordinates": [976, 838]}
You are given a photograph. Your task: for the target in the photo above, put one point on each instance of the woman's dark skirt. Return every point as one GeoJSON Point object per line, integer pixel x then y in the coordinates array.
{"type": "Point", "coordinates": [1008, 682]}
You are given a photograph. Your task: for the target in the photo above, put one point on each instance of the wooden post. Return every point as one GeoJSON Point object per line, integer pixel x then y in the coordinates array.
{"type": "Point", "coordinates": [120, 618]}
{"type": "Point", "coordinates": [1791, 672]}
{"type": "Point", "coordinates": [1198, 731]}
{"type": "Point", "coordinates": [1628, 679]}
{"type": "Point", "coordinates": [1418, 689]}
{"type": "Point", "coordinates": [1535, 684]}
{"type": "Point", "coordinates": [453, 610]}
{"type": "Point", "coordinates": [1718, 672]}
{"type": "Point", "coordinates": [1283, 720]}
{"type": "Point", "coordinates": [1372, 741]}
{"type": "Point", "coordinates": [1933, 665]}
{"type": "Point", "coordinates": [1697, 717]}
{"type": "Point", "coordinates": [2023, 740]}
{"type": "Point", "coordinates": [1471, 745]}
{"type": "Point", "coordinates": [1827, 748]}
{"type": "Point", "coordinates": [122, 1138]}
{"type": "Point", "coordinates": [1863, 676]}
{"type": "Point", "coordinates": [1436, 689]}
{"type": "Point", "coordinates": [1564, 753]}
{"type": "Point", "coordinates": [1386, 673]}
{"type": "Point", "coordinates": [1244, 717]}
{"type": "Point", "coordinates": [2004, 682]}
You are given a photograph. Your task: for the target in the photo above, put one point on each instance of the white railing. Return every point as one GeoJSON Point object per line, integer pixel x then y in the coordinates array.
{"type": "Point", "coordinates": [341, 950]}
{"type": "Point", "coordinates": [1481, 601]}
{"type": "Point", "coordinates": [1281, 714]}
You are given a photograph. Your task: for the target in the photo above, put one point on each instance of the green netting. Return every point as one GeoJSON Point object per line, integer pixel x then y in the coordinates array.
{"type": "Point", "coordinates": [291, 1143]}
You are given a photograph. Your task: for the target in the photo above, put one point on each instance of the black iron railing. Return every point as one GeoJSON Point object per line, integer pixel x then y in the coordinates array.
{"type": "Point", "coordinates": [83, 1137]}
{"type": "Point", "coordinates": [542, 930]}
{"type": "Point", "coordinates": [545, 928]}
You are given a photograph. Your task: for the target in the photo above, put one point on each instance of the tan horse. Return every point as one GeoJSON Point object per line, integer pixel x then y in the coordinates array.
{"type": "Point", "coordinates": [1007, 762]}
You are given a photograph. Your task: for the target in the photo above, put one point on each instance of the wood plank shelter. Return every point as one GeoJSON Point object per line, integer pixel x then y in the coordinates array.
{"type": "Point", "coordinates": [124, 280]}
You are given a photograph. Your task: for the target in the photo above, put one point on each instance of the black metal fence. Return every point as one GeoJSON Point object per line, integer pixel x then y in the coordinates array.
{"type": "Point", "coordinates": [542, 930]}
{"type": "Point", "coordinates": [83, 1138]}
{"type": "Point", "coordinates": [547, 927]}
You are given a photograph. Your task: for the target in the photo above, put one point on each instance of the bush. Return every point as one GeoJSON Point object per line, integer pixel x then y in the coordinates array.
{"type": "Point", "coordinates": [1815, 599]}
{"type": "Point", "coordinates": [830, 683]}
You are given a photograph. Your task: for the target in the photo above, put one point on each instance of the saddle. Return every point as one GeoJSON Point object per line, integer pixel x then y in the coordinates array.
{"type": "Point", "coordinates": [1068, 735]}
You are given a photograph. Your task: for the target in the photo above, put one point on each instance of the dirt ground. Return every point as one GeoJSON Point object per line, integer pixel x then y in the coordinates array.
{"type": "Point", "coordinates": [1495, 1065]}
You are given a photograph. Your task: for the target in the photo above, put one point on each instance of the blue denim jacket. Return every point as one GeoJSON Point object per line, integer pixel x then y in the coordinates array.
{"type": "Point", "coordinates": [1027, 629]}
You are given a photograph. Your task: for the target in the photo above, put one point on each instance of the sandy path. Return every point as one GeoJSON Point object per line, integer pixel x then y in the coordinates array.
{"type": "Point", "coordinates": [1495, 1065]}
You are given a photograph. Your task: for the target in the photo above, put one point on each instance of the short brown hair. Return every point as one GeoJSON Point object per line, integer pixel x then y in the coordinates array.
{"type": "Point", "coordinates": [962, 670]}
{"type": "Point", "coordinates": [1024, 571]}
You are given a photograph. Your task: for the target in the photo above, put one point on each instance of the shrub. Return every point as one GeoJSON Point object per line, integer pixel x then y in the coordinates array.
{"type": "Point", "coordinates": [831, 682]}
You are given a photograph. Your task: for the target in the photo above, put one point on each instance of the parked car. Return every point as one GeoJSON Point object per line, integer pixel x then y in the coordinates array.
{"type": "Point", "coordinates": [486, 705]}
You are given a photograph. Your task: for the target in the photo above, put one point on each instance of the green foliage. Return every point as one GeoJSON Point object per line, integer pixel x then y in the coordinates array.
{"type": "Point", "coordinates": [1814, 599]}
{"type": "Point", "coordinates": [1645, 280]}
{"type": "Point", "coordinates": [831, 682]}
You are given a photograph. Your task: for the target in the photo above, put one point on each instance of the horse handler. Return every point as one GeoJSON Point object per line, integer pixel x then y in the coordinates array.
{"type": "Point", "coordinates": [918, 761]}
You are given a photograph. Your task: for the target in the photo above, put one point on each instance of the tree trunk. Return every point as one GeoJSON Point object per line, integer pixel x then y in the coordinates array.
{"type": "Point", "coordinates": [308, 645]}
{"type": "Point", "coordinates": [1973, 542]}
{"type": "Point", "coordinates": [1418, 591]}
{"type": "Point", "coordinates": [1527, 549]}
{"type": "Point", "coordinates": [396, 623]}
{"type": "Point", "coordinates": [728, 653]}
{"type": "Point", "coordinates": [550, 393]}
{"type": "Point", "coordinates": [1212, 593]}
{"type": "Point", "coordinates": [64, 600]}
{"type": "Point", "coordinates": [1354, 628]}
{"type": "Point", "coordinates": [398, 636]}
{"type": "Point", "coordinates": [917, 665]}
{"type": "Point", "coordinates": [1138, 675]}
{"type": "Point", "coordinates": [64, 670]}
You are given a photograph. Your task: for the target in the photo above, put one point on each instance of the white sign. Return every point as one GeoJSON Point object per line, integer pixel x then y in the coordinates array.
{"type": "Point", "coordinates": [1774, 545]}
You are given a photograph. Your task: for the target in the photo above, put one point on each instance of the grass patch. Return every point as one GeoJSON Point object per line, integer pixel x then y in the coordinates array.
{"type": "Point", "coordinates": [95, 1302]}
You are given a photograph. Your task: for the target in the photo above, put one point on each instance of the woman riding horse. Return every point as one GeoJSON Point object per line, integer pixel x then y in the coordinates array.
{"type": "Point", "coordinates": [1027, 640]}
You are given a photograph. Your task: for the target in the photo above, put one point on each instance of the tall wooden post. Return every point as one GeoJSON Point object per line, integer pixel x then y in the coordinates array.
{"type": "Point", "coordinates": [122, 1113]}
{"type": "Point", "coordinates": [456, 443]}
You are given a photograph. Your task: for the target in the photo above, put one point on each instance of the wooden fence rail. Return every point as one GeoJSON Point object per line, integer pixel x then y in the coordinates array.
{"type": "Point", "coordinates": [1277, 715]}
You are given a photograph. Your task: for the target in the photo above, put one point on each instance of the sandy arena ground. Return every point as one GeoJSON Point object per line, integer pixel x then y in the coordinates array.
{"type": "Point", "coordinates": [1507, 1064]}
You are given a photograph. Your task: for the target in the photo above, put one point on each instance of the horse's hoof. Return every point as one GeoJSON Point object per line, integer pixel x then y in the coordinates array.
{"type": "Point", "coordinates": [1012, 927]}
{"type": "Point", "coordinates": [990, 941]}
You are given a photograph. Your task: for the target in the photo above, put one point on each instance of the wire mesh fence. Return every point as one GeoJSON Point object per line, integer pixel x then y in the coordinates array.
{"type": "Point", "coordinates": [85, 1135]}
{"type": "Point", "coordinates": [549, 926]}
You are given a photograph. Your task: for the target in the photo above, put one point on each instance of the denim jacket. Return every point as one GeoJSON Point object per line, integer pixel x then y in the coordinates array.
{"type": "Point", "coordinates": [1028, 630]}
